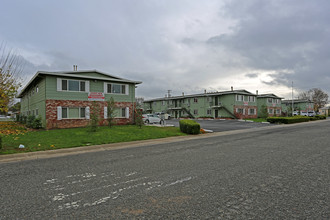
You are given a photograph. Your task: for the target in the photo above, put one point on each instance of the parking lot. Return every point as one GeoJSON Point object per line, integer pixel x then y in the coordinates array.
{"type": "Point", "coordinates": [223, 125]}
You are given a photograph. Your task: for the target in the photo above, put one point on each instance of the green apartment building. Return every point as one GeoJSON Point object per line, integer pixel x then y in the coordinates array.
{"type": "Point", "coordinates": [66, 99]}
{"type": "Point", "coordinates": [298, 105]}
{"type": "Point", "coordinates": [271, 103]}
{"type": "Point", "coordinates": [227, 104]}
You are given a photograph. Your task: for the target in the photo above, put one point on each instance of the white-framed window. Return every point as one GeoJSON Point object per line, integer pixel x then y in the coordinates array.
{"type": "Point", "coordinates": [73, 112]}
{"type": "Point", "coordinates": [270, 111]}
{"type": "Point", "coordinates": [115, 88]}
{"type": "Point", "coordinates": [278, 101]}
{"type": "Point", "coordinates": [269, 100]}
{"type": "Point", "coordinates": [37, 89]}
{"type": "Point", "coordinates": [252, 98]}
{"type": "Point", "coordinates": [122, 112]}
{"type": "Point", "coordinates": [246, 98]}
{"type": "Point", "coordinates": [195, 112]}
{"type": "Point", "coordinates": [278, 111]}
{"type": "Point", "coordinates": [252, 111]}
{"type": "Point", "coordinates": [37, 111]}
{"type": "Point", "coordinates": [209, 111]}
{"type": "Point", "coordinates": [195, 100]}
{"type": "Point", "coordinates": [239, 97]}
{"type": "Point", "coordinates": [72, 85]}
{"type": "Point", "coordinates": [163, 102]}
{"type": "Point", "coordinates": [240, 110]}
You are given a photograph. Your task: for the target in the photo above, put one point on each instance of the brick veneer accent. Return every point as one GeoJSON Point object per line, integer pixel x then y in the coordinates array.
{"type": "Point", "coordinates": [51, 113]}
{"type": "Point", "coordinates": [246, 111]}
{"type": "Point", "coordinates": [274, 110]}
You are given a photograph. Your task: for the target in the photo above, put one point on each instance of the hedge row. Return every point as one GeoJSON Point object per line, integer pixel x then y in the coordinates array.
{"type": "Point", "coordinates": [189, 126]}
{"type": "Point", "coordinates": [295, 119]}
{"type": "Point", "coordinates": [30, 121]}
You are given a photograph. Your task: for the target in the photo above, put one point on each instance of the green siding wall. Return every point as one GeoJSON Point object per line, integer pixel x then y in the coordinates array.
{"type": "Point", "coordinates": [95, 86]}
{"type": "Point", "coordinates": [35, 100]}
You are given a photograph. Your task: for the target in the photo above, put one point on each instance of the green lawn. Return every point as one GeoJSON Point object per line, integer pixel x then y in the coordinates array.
{"type": "Point", "coordinates": [75, 137]}
{"type": "Point", "coordinates": [257, 119]}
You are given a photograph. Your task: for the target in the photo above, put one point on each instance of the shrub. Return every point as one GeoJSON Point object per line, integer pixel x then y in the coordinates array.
{"type": "Point", "coordinates": [23, 119]}
{"type": "Point", "coordinates": [189, 126]}
{"type": "Point", "coordinates": [36, 124]}
{"type": "Point", "coordinates": [18, 117]}
{"type": "Point", "coordinates": [30, 120]}
{"type": "Point", "coordinates": [288, 120]}
{"type": "Point", "coordinates": [320, 117]}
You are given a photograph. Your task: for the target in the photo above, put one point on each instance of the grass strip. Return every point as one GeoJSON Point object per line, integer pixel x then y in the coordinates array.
{"type": "Point", "coordinates": [76, 137]}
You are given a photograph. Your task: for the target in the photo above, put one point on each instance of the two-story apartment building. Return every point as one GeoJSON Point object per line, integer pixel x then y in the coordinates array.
{"type": "Point", "coordinates": [271, 103]}
{"type": "Point", "coordinates": [66, 99]}
{"type": "Point", "coordinates": [226, 104]}
{"type": "Point", "coordinates": [298, 105]}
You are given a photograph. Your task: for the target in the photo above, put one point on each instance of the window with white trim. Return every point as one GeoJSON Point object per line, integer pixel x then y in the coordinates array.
{"type": "Point", "coordinates": [114, 88]}
{"type": "Point", "coordinates": [278, 111]}
{"type": "Point", "coordinates": [240, 110]}
{"type": "Point", "coordinates": [72, 85]}
{"type": "Point", "coordinates": [163, 102]}
{"type": "Point", "coordinates": [195, 112]}
{"type": "Point", "coordinates": [73, 112]}
{"type": "Point", "coordinates": [252, 98]}
{"type": "Point", "coordinates": [122, 112]}
{"type": "Point", "coordinates": [195, 100]}
{"type": "Point", "coordinates": [252, 111]}
{"type": "Point", "coordinates": [269, 100]}
{"type": "Point", "coordinates": [239, 97]}
{"type": "Point", "coordinates": [270, 111]}
{"type": "Point", "coordinates": [209, 111]}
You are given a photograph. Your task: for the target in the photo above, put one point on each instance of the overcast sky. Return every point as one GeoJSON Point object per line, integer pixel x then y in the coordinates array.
{"type": "Point", "coordinates": [179, 45]}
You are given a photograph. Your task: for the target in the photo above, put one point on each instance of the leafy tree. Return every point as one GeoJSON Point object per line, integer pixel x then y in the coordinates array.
{"type": "Point", "coordinates": [11, 66]}
{"type": "Point", "coordinates": [263, 112]}
{"type": "Point", "coordinates": [138, 115]}
{"type": "Point", "coordinates": [317, 96]}
{"type": "Point", "coordinates": [111, 112]}
{"type": "Point", "coordinates": [95, 116]}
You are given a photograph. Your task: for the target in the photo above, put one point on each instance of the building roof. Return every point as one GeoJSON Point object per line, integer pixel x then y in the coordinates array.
{"type": "Point", "coordinates": [269, 95]}
{"type": "Point", "coordinates": [77, 74]}
{"type": "Point", "coordinates": [296, 101]}
{"type": "Point", "coordinates": [241, 92]}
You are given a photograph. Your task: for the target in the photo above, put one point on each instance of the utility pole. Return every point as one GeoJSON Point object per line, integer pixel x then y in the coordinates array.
{"type": "Point", "coordinates": [292, 100]}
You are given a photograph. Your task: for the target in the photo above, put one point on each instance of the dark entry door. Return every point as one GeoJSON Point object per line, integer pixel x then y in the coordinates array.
{"type": "Point", "coordinates": [216, 113]}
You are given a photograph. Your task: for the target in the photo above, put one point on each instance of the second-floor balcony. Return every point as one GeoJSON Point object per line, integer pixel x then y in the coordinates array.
{"type": "Point", "coordinates": [215, 104]}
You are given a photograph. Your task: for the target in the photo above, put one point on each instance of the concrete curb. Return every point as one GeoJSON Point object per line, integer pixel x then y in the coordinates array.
{"type": "Point", "coordinates": [123, 145]}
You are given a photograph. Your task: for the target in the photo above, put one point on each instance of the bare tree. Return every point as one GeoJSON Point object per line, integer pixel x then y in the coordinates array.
{"type": "Point", "coordinates": [11, 67]}
{"type": "Point", "coordinates": [317, 96]}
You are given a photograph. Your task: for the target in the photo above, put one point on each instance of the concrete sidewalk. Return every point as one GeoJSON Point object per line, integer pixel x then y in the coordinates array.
{"type": "Point", "coordinates": [123, 145]}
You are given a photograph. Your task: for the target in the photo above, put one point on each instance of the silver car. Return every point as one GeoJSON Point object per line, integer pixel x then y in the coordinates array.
{"type": "Point", "coordinates": [151, 119]}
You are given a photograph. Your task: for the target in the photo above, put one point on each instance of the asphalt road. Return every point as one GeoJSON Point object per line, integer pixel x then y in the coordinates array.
{"type": "Point", "coordinates": [273, 173]}
{"type": "Point", "coordinates": [223, 125]}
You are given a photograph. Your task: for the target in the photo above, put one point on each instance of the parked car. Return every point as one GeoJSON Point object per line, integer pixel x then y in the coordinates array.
{"type": "Point", "coordinates": [311, 113]}
{"type": "Point", "coordinates": [163, 115]}
{"type": "Point", "coordinates": [295, 113]}
{"type": "Point", "coordinates": [304, 113]}
{"type": "Point", "coordinates": [151, 118]}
